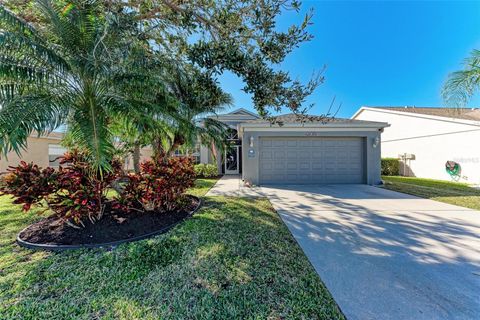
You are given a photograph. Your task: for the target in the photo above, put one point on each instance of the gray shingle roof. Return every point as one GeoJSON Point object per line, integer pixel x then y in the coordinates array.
{"type": "Point", "coordinates": [294, 118]}
{"type": "Point", "coordinates": [457, 113]}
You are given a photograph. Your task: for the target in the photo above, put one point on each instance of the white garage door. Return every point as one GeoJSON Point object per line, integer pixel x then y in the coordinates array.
{"type": "Point", "coordinates": [311, 160]}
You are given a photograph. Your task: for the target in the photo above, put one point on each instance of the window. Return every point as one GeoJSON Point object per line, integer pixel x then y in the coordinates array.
{"type": "Point", "coordinates": [195, 153]}
{"type": "Point", "coordinates": [232, 134]}
{"type": "Point", "coordinates": [54, 152]}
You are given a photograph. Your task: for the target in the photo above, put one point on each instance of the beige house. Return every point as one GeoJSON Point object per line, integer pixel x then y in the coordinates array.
{"type": "Point", "coordinates": [45, 150]}
{"type": "Point", "coordinates": [41, 150]}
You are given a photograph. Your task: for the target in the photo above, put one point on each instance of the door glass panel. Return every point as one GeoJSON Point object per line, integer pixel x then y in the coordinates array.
{"type": "Point", "coordinates": [231, 160]}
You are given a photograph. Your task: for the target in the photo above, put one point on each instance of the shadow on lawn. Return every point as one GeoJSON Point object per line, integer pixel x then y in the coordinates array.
{"type": "Point", "coordinates": [234, 259]}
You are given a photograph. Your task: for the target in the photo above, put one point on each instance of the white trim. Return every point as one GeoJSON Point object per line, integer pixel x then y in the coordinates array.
{"type": "Point", "coordinates": [309, 129]}
{"type": "Point", "coordinates": [233, 117]}
{"type": "Point", "coordinates": [239, 110]}
{"type": "Point", "coordinates": [56, 149]}
{"type": "Point", "coordinates": [358, 112]}
{"type": "Point", "coordinates": [418, 115]}
{"type": "Point", "coordinates": [346, 125]}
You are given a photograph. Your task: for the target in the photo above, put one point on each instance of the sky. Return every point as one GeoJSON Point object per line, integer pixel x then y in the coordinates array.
{"type": "Point", "coordinates": [378, 53]}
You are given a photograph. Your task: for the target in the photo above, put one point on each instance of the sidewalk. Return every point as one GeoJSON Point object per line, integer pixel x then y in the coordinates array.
{"type": "Point", "coordinates": [232, 186]}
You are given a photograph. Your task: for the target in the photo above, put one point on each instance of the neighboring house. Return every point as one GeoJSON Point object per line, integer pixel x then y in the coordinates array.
{"type": "Point", "coordinates": [46, 150]}
{"type": "Point", "coordinates": [297, 152]}
{"type": "Point", "coordinates": [43, 151]}
{"type": "Point", "coordinates": [432, 136]}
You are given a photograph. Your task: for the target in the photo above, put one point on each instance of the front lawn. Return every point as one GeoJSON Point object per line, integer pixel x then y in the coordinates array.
{"type": "Point", "coordinates": [459, 194]}
{"type": "Point", "coordinates": [235, 259]}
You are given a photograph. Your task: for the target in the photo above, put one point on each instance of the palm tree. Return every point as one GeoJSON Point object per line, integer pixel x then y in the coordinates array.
{"type": "Point", "coordinates": [199, 97]}
{"type": "Point", "coordinates": [68, 72]}
{"type": "Point", "coordinates": [462, 85]}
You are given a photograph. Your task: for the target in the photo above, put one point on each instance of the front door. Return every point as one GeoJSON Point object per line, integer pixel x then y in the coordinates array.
{"type": "Point", "coordinates": [231, 160]}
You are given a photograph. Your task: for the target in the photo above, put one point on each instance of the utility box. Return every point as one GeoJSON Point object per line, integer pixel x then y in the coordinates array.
{"type": "Point", "coordinates": [405, 169]}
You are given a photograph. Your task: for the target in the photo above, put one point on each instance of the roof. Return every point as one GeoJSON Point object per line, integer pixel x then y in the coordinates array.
{"type": "Point", "coordinates": [52, 135]}
{"type": "Point", "coordinates": [472, 114]}
{"type": "Point", "coordinates": [242, 111]}
{"type": "Point", "coordinates": [294, 120]}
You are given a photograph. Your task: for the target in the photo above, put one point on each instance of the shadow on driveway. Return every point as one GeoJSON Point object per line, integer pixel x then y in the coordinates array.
{"type": "Point", "coordinates": [387, 255]}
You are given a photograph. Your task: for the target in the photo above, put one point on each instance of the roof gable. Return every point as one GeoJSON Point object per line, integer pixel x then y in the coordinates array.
{"type": "Point", "coordinates": [243, 112]}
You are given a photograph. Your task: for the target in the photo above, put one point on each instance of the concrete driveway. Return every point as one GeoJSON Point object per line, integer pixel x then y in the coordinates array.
{"type": "Point", "coordinates": [387, 255]}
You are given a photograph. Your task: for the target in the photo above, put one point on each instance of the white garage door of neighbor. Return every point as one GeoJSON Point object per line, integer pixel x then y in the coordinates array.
{"type": "Point", "coordinates": [312, 160]}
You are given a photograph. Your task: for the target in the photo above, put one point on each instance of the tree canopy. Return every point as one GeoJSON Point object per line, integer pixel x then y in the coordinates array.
{"type": "Point", "coordinates": [92, 64]}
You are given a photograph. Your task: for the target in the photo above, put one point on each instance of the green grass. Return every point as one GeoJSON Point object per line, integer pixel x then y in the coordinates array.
{"type": "Point", "coordinates": [235, 259]}
{"type": "Point", "coordinates": [459, 194]}
{"type": "Point", "coordinates": [202, 186]}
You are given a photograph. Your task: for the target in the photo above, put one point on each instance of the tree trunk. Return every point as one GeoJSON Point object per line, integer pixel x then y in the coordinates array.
{"type": "Point", "coordinates": [136, 157]}
{"type": "Point", "coordinates": [157, 147]}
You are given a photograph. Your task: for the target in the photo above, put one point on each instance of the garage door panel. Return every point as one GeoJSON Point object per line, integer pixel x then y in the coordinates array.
{"type": "Point", "coordinates": [291, 155]}
{"type": "Point", "coordinates": [317, 165]}
{"type": "Point", "coordinates": [267, 165]}
{"type": "Point", "coordinates": [279, 154]}
{"type": "Point", "coordinates": [292, 165]}
{"type": "Point", "coordinates": [311, 160]}
{"type": "Point", "coordinates": [305, 142]}
{"type": "Point", "coordinates": [266, 155]}
{"type": "Point", "coordinates": [265, 142]}
{"type": "Point", "coordinates": [304, 165]}
{"type": "Point", "coordinates": [278, 143]}
{"type": "Point", "coordinates": [279, 165]}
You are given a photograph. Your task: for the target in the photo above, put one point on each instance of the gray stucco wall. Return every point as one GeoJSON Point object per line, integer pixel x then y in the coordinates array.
{"type": "Point", "coordinates": [251, 162]}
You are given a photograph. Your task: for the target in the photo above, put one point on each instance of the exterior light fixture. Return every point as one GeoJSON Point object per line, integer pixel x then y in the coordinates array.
{"type": "Point", "coordinates": [376, 142]}
{"type": "Point", "coordinates": [251, 142]}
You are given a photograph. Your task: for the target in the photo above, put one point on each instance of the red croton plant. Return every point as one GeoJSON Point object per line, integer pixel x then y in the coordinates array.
{"type": "Point", "coordinates": [158, 186]}
{"type": "Point", "coordinates": [76, 194]}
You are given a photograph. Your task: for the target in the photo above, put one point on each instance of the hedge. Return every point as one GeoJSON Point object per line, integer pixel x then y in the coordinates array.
{"type": "Point", "coordinates": [206, 170]}
{"type": "Point", "coordinates": [390, 167]}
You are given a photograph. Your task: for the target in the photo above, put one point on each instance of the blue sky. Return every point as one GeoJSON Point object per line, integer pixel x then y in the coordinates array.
{"type": "Point", "coordinates": [379, 53]}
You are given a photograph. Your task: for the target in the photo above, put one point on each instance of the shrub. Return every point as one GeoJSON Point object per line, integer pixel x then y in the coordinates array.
{"type": "Point", "coordinates": [211, 170]}
{"type": "Point", "coordinates": [390, 167]}
{"type": "Point", "coordinates": [159, 185]}
{"type": "Point", "coordinates": [206, 170]}
{"type": "Point", "coordinates": [199, 169]}
{"type": "Point", "coordinates": [73, 192]}
{"type": "Point", "coordinates": [29, 184]}
{"type": "Point", "coordinates": [83, 193]}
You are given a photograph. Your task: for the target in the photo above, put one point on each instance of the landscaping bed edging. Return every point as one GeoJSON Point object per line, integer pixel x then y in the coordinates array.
{"type": "Point", "coordinates": [63, 247]}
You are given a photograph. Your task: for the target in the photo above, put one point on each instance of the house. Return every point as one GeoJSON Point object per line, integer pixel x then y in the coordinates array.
{"type": "Point", "coordinates": [430, 137]}
{"type": "Point", "coordinates": [45, 151]}
{"type": "Point", "coordinates": [299, 151]}
{"type": "Point", "coordinates": [291, 150]}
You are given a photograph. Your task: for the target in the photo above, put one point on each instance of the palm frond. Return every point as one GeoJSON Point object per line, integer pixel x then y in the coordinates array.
{"type": "Point", "coordinates": [42, 113]}
{"type": "Point", "coordinates": [10, 20]}
{"type": "Point", "coordinates": [462, 85]}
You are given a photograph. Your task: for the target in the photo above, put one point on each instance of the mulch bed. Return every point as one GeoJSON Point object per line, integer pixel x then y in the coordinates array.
{"type": "Point", "coordinates": [114, 226]}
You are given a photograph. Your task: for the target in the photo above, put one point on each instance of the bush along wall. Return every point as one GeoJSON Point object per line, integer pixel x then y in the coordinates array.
{"type": "Point", "coordinates": [203, 170]}
{"type": "Point", "coordinates": [390, 167]}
